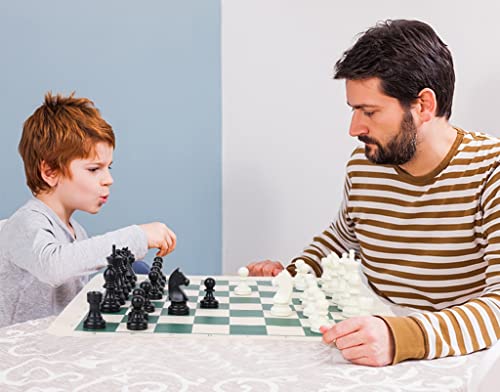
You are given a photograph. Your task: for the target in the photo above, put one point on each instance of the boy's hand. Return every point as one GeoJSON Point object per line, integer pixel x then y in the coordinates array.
{"type": "Point", "coordinates": [160, 236]}
{"type": "Point", "coordinates": [265, 268]}
{"type": "Point", "coordinates": [362, 340]}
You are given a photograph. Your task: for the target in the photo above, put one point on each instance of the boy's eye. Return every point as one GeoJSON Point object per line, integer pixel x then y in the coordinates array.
{"type": "Point", "coordinates": [368, 114]}
{"type": "Point", "coordinates": [93, 169]}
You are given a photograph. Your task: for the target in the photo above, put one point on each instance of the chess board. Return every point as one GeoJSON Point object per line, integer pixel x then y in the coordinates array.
{"type": "Point", "coordinates": [236, 316]}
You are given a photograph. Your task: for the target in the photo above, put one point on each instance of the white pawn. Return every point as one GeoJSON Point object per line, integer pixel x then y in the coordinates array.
{"type": "Point", "coordinates": [300, 277]}
{"type": "Point", "coordinates": [243, 288]}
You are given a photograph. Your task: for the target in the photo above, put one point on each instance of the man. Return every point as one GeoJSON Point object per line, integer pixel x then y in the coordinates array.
{"type": "Point", "coordinates": [420, 206]}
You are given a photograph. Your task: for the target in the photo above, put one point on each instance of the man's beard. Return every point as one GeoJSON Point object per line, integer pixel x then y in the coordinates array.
{"type": "Point", "coordinates": [400, 149]}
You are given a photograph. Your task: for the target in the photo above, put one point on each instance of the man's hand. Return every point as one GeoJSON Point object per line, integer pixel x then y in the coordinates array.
{"type": "Point", "coordinates": [160, 236]}
{"type": "Point", "coordinates": [362, 340]}
{"type": "Point", "coordinates": [265, 268]}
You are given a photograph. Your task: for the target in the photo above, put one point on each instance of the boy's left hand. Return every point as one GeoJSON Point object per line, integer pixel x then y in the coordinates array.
{"type": "Point", "coordinates": [362, 340]}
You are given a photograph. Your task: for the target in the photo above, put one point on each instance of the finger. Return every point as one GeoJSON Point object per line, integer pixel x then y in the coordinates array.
{"type": "Point", "coordinates": [173, 237]}
{"type": "Point", "coordinates": [329, 336]}
{"type": "Point", "coordinates": [257, 269]}
{"type": "Point", "coordinates": [351, 340]}
{"type": "Point", "coordinates": [168, 241]}
{"type": "Point", "coordinates": [354, 353]}
{"type": "Point", "coordinates": [347, 327]}
{"type": "Point", "coordinates": [276, 271]}
{"type": "Point", "coordinates": [268, 268]}
{"type": "Point", "coordinates": [161, 252]}
{"type": "Point", "coordinates": [163, 249]}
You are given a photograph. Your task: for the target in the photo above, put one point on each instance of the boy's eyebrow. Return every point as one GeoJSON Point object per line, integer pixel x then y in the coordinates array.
{"type": "Point", "coordinates": [99, 162]}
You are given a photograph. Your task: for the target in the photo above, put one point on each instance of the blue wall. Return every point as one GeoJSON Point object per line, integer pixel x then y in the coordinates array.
{"type": "Point", "coordinates": [153, 69]}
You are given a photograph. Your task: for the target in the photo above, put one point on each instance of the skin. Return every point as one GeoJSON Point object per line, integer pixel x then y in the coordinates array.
{"type": "Point", "coordinates": [88, 189]}
{"type": "Point", "coordinates": [380, 122]}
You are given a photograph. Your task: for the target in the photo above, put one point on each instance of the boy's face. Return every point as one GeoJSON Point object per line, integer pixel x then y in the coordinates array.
{"type": "Point", "coordinates": [88, 188]}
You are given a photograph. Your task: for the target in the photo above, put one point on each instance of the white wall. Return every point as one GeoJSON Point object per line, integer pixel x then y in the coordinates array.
{"type": "Point", "coordinates": [285, 121]}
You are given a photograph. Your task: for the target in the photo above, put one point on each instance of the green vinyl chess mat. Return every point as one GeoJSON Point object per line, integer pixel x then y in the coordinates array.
{"type": "Point", "coordinates": [236, 316]}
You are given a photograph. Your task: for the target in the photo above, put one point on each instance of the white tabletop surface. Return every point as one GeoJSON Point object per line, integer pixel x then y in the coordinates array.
{"type": "Point", "coordinates": [31, 359]}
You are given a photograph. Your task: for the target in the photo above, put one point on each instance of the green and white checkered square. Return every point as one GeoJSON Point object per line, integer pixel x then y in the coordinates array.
{"type": "Point", "coordinates": [236, 315]}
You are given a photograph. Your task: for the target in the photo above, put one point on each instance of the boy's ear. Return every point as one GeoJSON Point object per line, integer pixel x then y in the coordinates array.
{"type": "Point", "coordinates": [49, 175]}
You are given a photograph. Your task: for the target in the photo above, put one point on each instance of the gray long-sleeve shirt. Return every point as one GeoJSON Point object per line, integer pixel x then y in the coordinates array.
{"type": "Point", "coordinates": [42, 266]}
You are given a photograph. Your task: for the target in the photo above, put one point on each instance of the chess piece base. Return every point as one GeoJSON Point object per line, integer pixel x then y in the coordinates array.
{"type": "Point", "coordinates": [178, 309]}
{"type": "Point", "coordinates": [94, 324]}
{"type": "Point", "coordinates": [137, 326]}
{"type": "Point", "coordinates": [213, 304]}
{"type": "Point", "coordinates": [281, 310]}
{"type": "Point", "coordinates": [243, 290]}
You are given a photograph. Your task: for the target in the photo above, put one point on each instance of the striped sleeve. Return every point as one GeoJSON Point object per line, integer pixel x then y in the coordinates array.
{"type": "Point", "coordinates": [472, 326]}
{"type": "Point", "coordinates": [338, 237]}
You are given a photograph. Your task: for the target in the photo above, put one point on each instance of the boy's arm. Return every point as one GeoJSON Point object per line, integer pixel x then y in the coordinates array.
{"type": "Point", "coordinates": [54, 262]}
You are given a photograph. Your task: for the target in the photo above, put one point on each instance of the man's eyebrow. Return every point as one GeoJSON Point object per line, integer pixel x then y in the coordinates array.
{"type": "Point", "coordinates": [362, 106]}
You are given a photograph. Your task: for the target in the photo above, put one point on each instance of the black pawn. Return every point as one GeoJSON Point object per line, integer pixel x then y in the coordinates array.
{"type": "Point", "coordinates": [94, 318]}
{"type": "Point", "coordinates": [136, 320]}
{"type": "Point", "coordinates": [155, 292]}
{"type": "Point", "coordinates": [141, 293]}
{"type": "Point", "coordinates": [209, 301]}
{"type": "Point", "coordinates": [110, 303]}
{"type": "Point", "coordinates": [148, 305]}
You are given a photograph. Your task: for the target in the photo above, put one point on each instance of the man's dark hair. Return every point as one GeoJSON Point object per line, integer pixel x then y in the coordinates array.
{"type": "Point", "coordinates": [407, 56]}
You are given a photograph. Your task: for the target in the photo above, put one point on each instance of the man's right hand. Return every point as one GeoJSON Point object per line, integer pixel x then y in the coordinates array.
{"type": "Point", "coordinates": [265, 268]}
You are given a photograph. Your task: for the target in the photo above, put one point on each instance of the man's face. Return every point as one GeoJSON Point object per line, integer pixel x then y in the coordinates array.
{"type": "Point", "coordinates": [379, 121]}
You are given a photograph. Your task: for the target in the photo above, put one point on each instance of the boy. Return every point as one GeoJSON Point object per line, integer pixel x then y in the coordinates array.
{"type": "Point", "coordinates": [67, 150]}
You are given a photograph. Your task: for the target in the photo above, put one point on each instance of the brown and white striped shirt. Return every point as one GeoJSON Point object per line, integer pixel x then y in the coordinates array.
{"type": "Point", "coordinates": [429, 243]}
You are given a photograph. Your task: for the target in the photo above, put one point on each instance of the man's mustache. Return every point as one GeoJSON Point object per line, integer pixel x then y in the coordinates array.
{"type": "Point", "coordinates": [367, 139]}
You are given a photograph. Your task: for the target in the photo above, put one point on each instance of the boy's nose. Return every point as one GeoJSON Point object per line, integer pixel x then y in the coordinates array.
{"type": "Point", "coordinates": [108, 179]}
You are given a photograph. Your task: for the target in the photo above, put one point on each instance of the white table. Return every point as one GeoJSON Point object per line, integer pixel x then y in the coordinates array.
{"type": "Point", "coordinates": [31, 359]}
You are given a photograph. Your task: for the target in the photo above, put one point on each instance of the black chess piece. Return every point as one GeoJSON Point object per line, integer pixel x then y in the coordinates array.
{"type": "Point", "coordinates": [155, 292]}
{"type": "Point", "coordinates": [136, 320]}
{"type": "Point", "coordinates": [110, 304]}
{"type": "Point", "coordinates": [161, 283]}
{"type": "Point", "coordinates": [178, 305]}
{"type": "Point", "coordinates": [121, 291]}
{"type": "Point", "coordinates": [209, 301]}
{"type": "Point", "coordinates": [94, 318]}
{"type": "Point", "coordinates": [129, 259]}
{"type": "Point", "coordinates": [159, 266]}
{"type": "Point", "coordinates": [148, 305]}
{"type": "Point", "coordinates": [158, 259]}
{"type": "Point", "coordinates": [142, 293]}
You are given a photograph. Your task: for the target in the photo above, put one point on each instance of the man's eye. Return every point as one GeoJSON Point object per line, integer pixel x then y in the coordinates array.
{"type": "Point", "coordinates": [93, 169]}
{"type": "Point", "coordinates": [368, 114]}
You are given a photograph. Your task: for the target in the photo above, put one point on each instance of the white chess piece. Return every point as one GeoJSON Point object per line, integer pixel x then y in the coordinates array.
{"type": "Point", "coordinates": [300, 277]}
{"type": "Point", "coordinates": [283, 296]}
{"type": "Point", "coordinates": [243, 288]}
{"type": "Point", "coordinates": [320, 316]}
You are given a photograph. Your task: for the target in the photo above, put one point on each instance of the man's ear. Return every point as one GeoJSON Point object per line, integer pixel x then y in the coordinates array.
{"type": "Point", "coordinates": [49, 175]}
{"type": "Point", "coordinates": [426, 105]}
